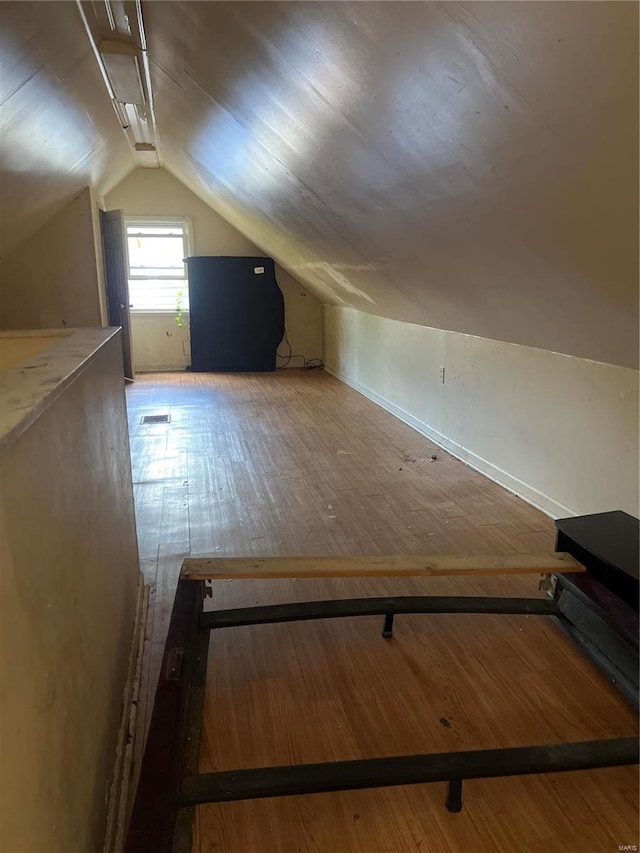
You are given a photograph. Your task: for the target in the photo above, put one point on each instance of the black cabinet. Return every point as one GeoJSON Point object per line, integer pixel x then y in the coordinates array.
{"type": "Point", "coordinates": [599, 607]}
{"type": "Point", "coordinates": [236, 314]}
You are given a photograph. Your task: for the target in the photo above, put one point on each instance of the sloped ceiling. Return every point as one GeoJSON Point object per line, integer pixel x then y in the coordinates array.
{"type": "Point", "coordinates": [466, 166]}
{"type": "Point", "coordinates": [58, 130]}
{"type": "Point", "coordinates": [470, 166]}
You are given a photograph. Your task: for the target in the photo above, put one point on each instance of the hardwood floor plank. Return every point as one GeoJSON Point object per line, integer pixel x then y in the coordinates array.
{"type": "Point", "coordinates": [297, 464]}
{"type": "Point", "coordinates": [319, 691]}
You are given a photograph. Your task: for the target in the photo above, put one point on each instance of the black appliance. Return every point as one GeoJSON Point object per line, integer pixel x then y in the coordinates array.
{"type": "Point", "coordinates": [236, 314]}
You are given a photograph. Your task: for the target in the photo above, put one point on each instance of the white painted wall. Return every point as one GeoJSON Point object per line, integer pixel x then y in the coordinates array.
{"type": "Point", "coordinates": [560, 431]}
{"type": "Point", "coordinates": [158, 344]}
{"type": "Point", "coordinates": [69, 586]}
{"type": "Point", "coordinates": [56, 278]}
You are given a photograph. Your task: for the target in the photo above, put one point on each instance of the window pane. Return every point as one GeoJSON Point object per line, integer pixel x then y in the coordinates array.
{"type": "Point", "coordinates": [157, 273]}
{"type": "Point", "coordinates": [156, 256]}
{"type": "Point", "coordinates": [158, 295]}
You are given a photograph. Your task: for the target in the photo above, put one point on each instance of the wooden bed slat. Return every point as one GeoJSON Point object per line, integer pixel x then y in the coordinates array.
{"type": "Point", "coordinates": [204, 568]}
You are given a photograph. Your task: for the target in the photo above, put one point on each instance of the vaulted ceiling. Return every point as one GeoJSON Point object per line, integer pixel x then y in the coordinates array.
{"type": "Point", "coordinates": [469, 166]}
{"type": "Point", "coordinates": [58, 131]}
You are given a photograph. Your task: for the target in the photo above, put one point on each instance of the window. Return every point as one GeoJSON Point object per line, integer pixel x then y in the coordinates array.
{"type": "Point", "coordinates": [157, 272]}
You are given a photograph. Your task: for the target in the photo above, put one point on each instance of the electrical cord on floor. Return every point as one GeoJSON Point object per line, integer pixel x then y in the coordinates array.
{"type": "Point", "coordinates": [307, 364]}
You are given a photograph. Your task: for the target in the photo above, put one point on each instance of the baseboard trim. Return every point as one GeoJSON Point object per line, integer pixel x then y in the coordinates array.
{"type": "Point", "coordinates": [528, 493]}
{"type": "Point", "coordinates": [162, 368]}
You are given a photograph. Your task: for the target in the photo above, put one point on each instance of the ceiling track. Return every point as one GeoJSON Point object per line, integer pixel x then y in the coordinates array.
{"type": "Point", "coordinates": [115, 30]}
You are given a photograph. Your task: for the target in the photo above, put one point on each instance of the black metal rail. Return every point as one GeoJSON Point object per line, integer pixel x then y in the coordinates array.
{"type": "Point", "coordinates": [307, 610]}
{"type": "Point", "coordinates": [450, 767]}
{"type": "Point", "coordinates": [169, 787]}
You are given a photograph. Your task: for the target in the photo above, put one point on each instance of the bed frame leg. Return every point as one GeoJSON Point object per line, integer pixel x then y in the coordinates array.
{"type": "Point", "coordinates": [454, 795]}
{"type": "Point", "coordinates": [387, 630]}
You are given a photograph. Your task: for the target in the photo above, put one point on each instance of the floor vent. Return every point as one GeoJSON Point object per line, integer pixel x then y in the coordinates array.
{"type": "Point", "coordinates": [155, 419]}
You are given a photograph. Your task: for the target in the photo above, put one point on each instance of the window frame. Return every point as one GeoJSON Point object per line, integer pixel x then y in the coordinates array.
{"type": "Point", "coordinates": [150, 222]}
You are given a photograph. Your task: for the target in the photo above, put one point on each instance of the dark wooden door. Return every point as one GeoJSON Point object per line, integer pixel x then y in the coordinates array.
{"type": "Point", "coordinates": [115, 269]}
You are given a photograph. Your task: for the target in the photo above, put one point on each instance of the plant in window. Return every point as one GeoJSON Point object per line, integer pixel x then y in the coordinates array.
{"type": "Point", "coordinates": [179, 318]}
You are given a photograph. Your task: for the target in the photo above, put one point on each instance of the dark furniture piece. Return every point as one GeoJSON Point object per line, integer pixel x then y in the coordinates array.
{"type": "Point", "coordinates": [236, 314]}
{"type": "Point", "coordinates": [599, 609]}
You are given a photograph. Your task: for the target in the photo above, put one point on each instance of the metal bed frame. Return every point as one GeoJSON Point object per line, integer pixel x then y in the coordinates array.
{"type": "Point", "coordinates": [170, 786]}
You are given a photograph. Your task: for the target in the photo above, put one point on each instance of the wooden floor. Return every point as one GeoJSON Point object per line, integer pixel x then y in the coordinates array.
{"type": "Point", "coordinates": [295, 464]}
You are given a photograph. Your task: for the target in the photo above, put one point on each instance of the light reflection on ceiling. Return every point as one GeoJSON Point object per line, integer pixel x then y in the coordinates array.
{"type": "Point", "coordinates": [59, 132]}
{"type": "Point", "coordinates": [469, 166]}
